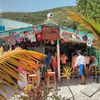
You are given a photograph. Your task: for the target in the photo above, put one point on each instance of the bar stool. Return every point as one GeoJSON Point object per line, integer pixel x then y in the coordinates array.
{"type": "Point", "coordinates": [49, 70]}
{"type": "Point", "coordinates": [49, 76]}
{"type": "Point", "coordinates": [34, 80]}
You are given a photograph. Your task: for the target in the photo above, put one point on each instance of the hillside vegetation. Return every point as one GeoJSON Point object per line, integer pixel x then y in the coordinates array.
{"type": "Point", "coordinates": [60, 16]}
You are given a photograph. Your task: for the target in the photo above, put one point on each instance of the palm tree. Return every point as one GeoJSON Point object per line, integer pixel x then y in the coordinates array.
{"type": "Point", "coordinates": [89, 24]}
{"type": "Point", "coordinates": [9, 62]}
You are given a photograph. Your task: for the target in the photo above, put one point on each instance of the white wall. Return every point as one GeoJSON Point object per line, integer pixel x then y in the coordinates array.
{"type": "Point", "coordinates": [11, 24]}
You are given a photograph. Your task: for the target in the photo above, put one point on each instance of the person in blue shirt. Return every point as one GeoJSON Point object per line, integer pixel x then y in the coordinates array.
{"type": "Point", "coordinates": [48, 60]}
{"type": "Point", "coordinates": [47, 63]}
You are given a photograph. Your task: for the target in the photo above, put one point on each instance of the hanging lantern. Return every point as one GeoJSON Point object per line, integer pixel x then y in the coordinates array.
{"type": "Point", "coordinates": [39, 36]}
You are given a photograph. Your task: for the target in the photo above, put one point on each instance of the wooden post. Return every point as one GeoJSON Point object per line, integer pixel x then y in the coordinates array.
{"type": "Point", "coordinates": [58, 59]}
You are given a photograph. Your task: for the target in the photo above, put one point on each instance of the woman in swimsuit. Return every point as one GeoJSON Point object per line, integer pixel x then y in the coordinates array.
{"type": "Point", "coordinates": [54, 62]}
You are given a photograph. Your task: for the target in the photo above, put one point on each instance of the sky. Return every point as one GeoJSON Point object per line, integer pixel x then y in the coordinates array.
{"type": "Point", "coordinates": [33, 5]}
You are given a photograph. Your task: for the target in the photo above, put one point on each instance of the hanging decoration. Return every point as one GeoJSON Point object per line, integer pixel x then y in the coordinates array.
{"type": "Point", "coordinates": [39, 36]}
{"type": "Point", "coordinates": [63, 34]}
{"type": "Point", "coordinates": [12, 39]}
{"type": "Point", "coordinates": [35, 27]}
{"type": "Point", "coordinates": [33, 37]}
{"type": "Point", "coordinates": [22, 37]}
{"type": "Point", "coordinates": [17, 37]}
{"type": "Point", "coordinates": [89, 42]}
{"type": "Point", "coordinates": [26, 35]}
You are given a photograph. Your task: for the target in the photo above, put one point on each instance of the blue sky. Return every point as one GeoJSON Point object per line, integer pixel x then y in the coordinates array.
{"type": "Point", "coordinates": [34, 5]}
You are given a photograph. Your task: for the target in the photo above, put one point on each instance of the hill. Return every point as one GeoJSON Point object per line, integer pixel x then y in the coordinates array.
{"type": "Point", "coordinates": [60, 16]}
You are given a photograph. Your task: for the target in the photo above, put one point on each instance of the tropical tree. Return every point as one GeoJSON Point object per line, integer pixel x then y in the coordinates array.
{"type": "Point", "coordinates": [88, 23]}
{"type": "Point", "coordinates": [89, 8]}
{"type": "Point", "coordinates": [9, 62]}
{"type": "Point", "coordinates": [81, 28]}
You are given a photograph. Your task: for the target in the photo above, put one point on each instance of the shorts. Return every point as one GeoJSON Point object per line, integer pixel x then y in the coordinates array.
{"type": "Point", "coordinates": [54, 64]}
{"type": "Point", "coordinates": [81, 70]}
{"type": "Point", "coordinates": [62, 67]}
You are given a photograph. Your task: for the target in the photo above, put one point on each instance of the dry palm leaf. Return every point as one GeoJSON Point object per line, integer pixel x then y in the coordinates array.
{"type": "Point", "coordinates": [12, 59]}
{"type": "Point", "coordinates": [2, 97]}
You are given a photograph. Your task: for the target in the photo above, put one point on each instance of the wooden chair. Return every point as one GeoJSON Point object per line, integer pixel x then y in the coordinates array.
{"type": "Point", "coordinates": [51, 78]}
{"type": "Point", "coordinates": [34, 80]}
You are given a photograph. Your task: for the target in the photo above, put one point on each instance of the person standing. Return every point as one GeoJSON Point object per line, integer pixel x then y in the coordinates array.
{"type": "Point", "coordinates": [54, 62]}
{"type": "Point", "coordinates": [48, 60]}
{"type": "Point", "coordinates": [87, 59]}
{"type": "Point", "coordinates": [63, 60]}
{"type": "Point", "coordinates": [81, 63]}
{"type": "Point", "coordinates": [74, 57]}
{"type": "Point", "coordinates": [93, 63]}
{"type": "Point", "coordinates": [74, 70]}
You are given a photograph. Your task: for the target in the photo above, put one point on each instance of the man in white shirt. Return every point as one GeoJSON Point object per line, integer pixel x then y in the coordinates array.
{"type": "Point", "coordinates": [80, 62]}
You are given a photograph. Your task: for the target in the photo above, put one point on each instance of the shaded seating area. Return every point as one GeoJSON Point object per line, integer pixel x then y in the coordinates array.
{"type": "Point", "coordinates": [57, 38]}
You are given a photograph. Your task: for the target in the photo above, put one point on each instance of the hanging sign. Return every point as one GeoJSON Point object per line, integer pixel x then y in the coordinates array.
{"type": "Point", "coordinates": [50, 32]}
{"type": "Point", "coordinates": [66, 36]}
{"type": "Point", "coordinates": [63, 34]}
{"type": "Point", "coordinates": [89, 42]}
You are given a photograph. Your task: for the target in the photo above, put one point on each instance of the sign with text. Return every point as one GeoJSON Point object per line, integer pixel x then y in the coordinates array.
{"type": "Point", "coordinates": [50, 32]}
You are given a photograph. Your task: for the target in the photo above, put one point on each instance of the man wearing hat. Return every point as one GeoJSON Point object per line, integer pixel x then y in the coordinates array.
{"type": "Point", "coordinates": [80, 62]}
